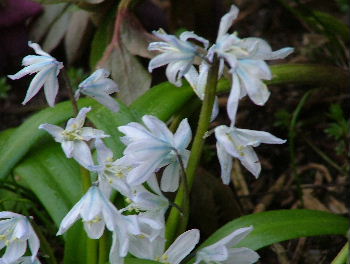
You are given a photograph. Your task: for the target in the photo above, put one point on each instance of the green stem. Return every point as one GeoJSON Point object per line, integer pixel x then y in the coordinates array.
{"type": "Point", "coordinates": [292, 150]}
{"type": "Point", "coordinates": [91, 253]}
{"type": "Point", "coordinates": [343, 255]}
{"type": "Point", "coordinates": [86, 180]}
{"type": "Point", "coordinates": [174, 224]}
{"type": "Point", "coordinates": [103, 249]}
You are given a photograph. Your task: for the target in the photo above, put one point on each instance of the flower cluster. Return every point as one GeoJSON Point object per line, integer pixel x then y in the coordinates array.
{"type": "Point", "coordinates": [244, 61]}
{"type": "Point", "coordinates": [138, 225]}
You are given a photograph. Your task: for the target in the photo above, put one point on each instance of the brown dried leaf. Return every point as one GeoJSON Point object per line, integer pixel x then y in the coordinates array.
{"type": "Point", "coordinates": [41, 25]}
{"type": "Point", "coordinates": [77, 35]}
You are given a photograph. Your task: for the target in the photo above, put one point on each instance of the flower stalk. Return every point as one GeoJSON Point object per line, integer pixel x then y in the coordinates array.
{"type": "Point", "coordinates": [66, 82]}
{"type": "Point", "coordinates": [175, 225]}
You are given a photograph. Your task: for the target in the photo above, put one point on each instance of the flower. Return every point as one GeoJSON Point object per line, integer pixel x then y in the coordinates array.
{"type": "Point", "coordinates": [96, 211]}
{"type": "Point", "coordinates": [47, 69]}
{"type": "Point", "coordinates": [178, 53]}
{"type": "Point", "coordinates": [239, 143]}
{"type": "Point", "coordinates": [15, 232]}
{"type": "Point", "coordinates": [111, 173]}
{"type": "Point", "coordinates": [180, 248]}
{"type": "Point", "coordinates": [153, 147]}
{"type": "Point", "coordinates": [223, 251]}
{"type": "Point", "coordinates": [246, 60]}
{"type": "Point", "coordinates": [98, 86]}
{"type": "Point", "coordinates": [74, 136]}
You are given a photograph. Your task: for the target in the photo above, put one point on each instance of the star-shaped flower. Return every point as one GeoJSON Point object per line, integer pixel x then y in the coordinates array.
{"type": "Point", "coordinates": [153, 147]}
{"type": "Point", "coordinates": [95, 210]}
{"type": "Point", "coordinates": [178, 53]}
{"type": "Point", "coordinates": [99, 86]}
{"type": "Point", "coordinates": [15, 232]}
{"type": "Point", "coordinates": [246, 60]}
{"type": "Point", "coordinates": [74, 137]}
{"type": "Point", "coordinates": [239, 143]}
{"type": "Point", "coordinates": [46, 68]}
{"type": "Point", "coordinates": [224, 252]}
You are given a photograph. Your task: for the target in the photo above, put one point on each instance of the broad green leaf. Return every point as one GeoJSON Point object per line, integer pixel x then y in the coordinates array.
{"type": "Point", "coordinates": [53, 178]}
{"type": "Point", "coordinates": [276, 226]}
{"type": "Point", "coordinates": [27, 134]}
{"type": "Point", "coordinates": [163, 100]}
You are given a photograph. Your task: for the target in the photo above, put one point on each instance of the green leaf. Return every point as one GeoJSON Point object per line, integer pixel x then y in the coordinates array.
{"type": "Point", "coordinates": [53, 178]}
{"type": "Point", "coordinates": [163, 100]}
{"type": "Point", "coordinates": [276, 226]}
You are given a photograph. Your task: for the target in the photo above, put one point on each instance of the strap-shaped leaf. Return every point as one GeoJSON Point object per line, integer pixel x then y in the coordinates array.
{"type": "Point", "coordinates": [276, 226]}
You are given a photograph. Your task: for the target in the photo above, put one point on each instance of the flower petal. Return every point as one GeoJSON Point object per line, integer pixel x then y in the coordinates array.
{"type": "Point", "coordinates": [170, 178]}
{"type": "Point", "coordinates": [227, 20]}
{"type": "Point", "coordinates": [51, 87]}
{"type": "Point", "coordinates": [225, 163]}
{"type": "Point", "coordinates": [233, 99]}
{"type": "Point", "coordinates": [183, 135]}
{"type": "Point", "coordinates": [182, 246]}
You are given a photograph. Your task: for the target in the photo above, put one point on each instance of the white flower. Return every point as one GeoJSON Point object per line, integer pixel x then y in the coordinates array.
{"type": "Point", "coordinates": [246, 60]}
{"type": "Point", "coordinates": [96, 212]}
{"type": "Point", "coordinates": [15, 232]}
{"type": "Point", "coordinates": [223, 251]}
{"type": "Point", "coordinates": [74, 136]}
{"type": "Point", "coordinates": [111, 173]}
{"type": "Point", "coordinates": [178, 53]}
{"type": "Point", "coordinates": [154, 147]}
{"type": "Point", "coordinates": [239, 143]}
{"type": "Point", "coordinates": [180, 248]}
{"type": "Point", "coordinates": [47, 69]}
{"type": "Point", "coordinates": [98, 86]}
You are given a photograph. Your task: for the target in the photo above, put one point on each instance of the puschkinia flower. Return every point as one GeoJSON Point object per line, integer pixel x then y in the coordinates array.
{"type": "Point", "coordinates": [46, 68]}
{"type": "Point", "coordinates": [111, 173]}
{"type": "Point", "coordinates": [15, 232]}
{"type": "Point", "coordinates": [153, 147]}
{"type": "Point", "coordinates": [96, 212]}
{"type": "Point", "coordinates": [246, 59]}
{"type": "Point", "coordinates": [178, 53]}
{"type": "Point", "coordinates": [99, 86]}
{"type": "Point", "coordinates": [224, 252]}
{"type": "Point", "coordinates": [239, 143]}
{"type": "Point", "coordinates": [74, 136]}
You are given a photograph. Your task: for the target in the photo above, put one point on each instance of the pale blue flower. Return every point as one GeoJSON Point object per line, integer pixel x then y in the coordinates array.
{"type": "Point", "coordinates": [239, 143]}
{"type": "Point", "coordinates": [224, 252]}
{"type": "Point", "coordinates": [73, 138]}
{"type": "Point", "coordinates": [46, 68]}
{"type": "Point", "coordinates": [153, 147]}
{"type": "Point", "coordinates": [99, 86]}
{"type": "Point", "coordinates": [246, 59]}
{"type": "Point", "coordinates": [15, 232]}
{"type": "Point", "coordinates": [178, 53]}
{"type": "Point", "coordinates": [96, 212]}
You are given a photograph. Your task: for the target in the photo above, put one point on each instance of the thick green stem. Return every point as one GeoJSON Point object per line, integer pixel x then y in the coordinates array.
{"type": "Point", "coordinates": [174, 224]}
{"type": "Point", "coordinates": [103, 249]}
{"type": "Point", "coordinates": [343, 255]}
